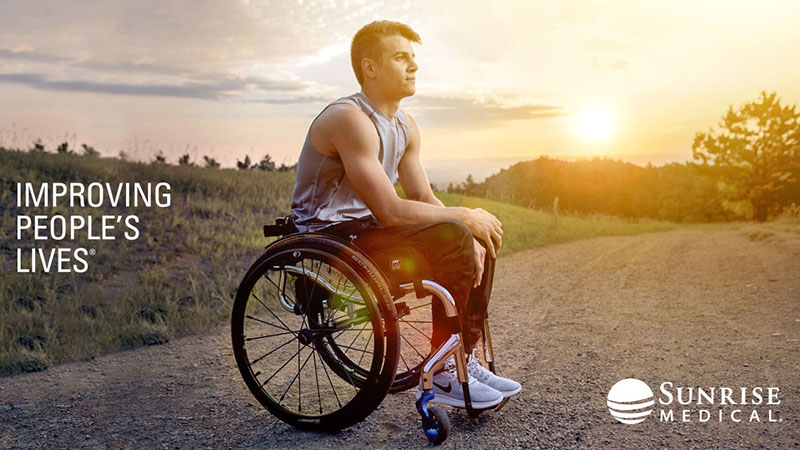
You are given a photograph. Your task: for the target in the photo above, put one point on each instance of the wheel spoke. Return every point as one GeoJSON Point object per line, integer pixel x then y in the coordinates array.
{"type": "Point", "coordinates": [419, 306]}
{"type": "Point", "coordinates": [299, 391]}
{"type": "Point", "coordinates": [271, 351]}
{"type": "Point", "coordinates": [338, 284]}
{"type": "Point", "coordinates": [349, 297]}
{"type": "Point", "coordinates": [346, 372]}
{"type": "Point", "coordinates": [296, 376]}
{"type": "Point", "coordinates": [364, 352]}
{"type": "Point", "coordinates": [411, 345]}
{"type": "Point", "coordinates": [268, 335]}
{"type": "Point", "coordinates": [417, 329]}
{"type": "Point", "coordinates": [281, 368]}
{"type": "Point", "coordinates": [325, 368]}
{"type": "Point", "coordinates": [359, 334]}
{"type": "Point", "coordinates": [316, 377]}
{"type": "Point", "coordinates": [404, 361]}
{"type": "Point", "coordinates": [286, 327]}
{"type": "Point", "coordinates": [266, 323]}
{"type": "Point", "coordinates": [350, 329]}
{"type": "Point", "coordinates": [281, 290]}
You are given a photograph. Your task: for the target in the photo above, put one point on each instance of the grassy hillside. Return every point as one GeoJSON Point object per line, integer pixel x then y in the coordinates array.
{"type": "Point", "coordinates": [179, 277]}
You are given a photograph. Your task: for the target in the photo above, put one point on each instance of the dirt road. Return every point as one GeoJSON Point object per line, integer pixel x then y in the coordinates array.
{"type": "Point", "coordinates": [694, 307]}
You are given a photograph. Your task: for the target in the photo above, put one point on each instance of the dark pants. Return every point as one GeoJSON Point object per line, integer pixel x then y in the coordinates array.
{"type": "Point", "coordinates": [446, 256]}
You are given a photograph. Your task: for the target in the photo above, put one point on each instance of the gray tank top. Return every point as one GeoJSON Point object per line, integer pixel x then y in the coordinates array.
{"type": "Point", "coordinates": [323, 195]}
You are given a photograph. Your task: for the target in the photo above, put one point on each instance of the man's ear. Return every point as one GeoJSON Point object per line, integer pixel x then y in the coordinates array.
{"type": "Point", "coordinates": [368, 68]}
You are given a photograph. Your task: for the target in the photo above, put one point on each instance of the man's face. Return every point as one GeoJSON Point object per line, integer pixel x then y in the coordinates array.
{"type": "Point", "coordinates": [396, 72]}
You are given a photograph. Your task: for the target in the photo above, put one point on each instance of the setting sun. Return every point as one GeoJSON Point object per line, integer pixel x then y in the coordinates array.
{"type": "Point", "coordinates": [595, 123]}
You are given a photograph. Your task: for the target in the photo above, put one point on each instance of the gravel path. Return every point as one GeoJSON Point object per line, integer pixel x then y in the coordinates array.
{"type": "Point", "coordinates": [695, 307]}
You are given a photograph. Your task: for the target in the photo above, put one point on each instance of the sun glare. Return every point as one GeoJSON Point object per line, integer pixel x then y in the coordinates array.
{"type": "Point", "coordinates": [595, 123]}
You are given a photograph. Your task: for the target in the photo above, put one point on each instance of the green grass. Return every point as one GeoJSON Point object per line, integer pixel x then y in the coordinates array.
{"type": "Point", "coordinates": [177, 278]}
{"type": "Point", "coordinates": [180, 276]}
{"type": "Point", "coordinates": [525, 228]}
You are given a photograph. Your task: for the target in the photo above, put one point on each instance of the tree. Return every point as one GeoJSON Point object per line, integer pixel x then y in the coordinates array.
{"type": "Point", "coordinates": [267, 164]}
{"type": "Point", "coordinates": [211, 162]}
{"type": "Point", "coordinates": [160, 158]}
{"type": "Point", "coordinates": [89, 150]}
{"type": "Point", "coordinates": [37, 146]}
{"type": "Point", "coordinates": [242, 165]}
{"type": "Point", "coordinates": [184, 161]}
{"type": "Point", "coordinates": [64, 148]}
{"type": "Point", "coordinates": [755, 156]}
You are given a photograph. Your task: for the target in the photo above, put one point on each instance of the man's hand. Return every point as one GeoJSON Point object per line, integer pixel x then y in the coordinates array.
{"type": "Point", "coordinates": [485, 227]}
{"type": "Point", "coordinates": [480, 255]}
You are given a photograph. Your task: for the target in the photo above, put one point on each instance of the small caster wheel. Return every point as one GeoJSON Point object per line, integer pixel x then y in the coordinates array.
{"type": "Point", "coordinates": [437, 425]}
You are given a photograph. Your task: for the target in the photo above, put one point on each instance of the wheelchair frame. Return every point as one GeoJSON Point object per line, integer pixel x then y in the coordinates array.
{"type": "Point", "coordinates": [434, 419]}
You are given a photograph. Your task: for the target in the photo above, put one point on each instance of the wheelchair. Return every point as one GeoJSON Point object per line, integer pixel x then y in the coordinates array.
{"type": "Point", "coordinates": [321, 332]}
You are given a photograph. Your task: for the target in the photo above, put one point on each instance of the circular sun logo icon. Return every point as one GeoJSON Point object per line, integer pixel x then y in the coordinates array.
{"type": "Point", "coordinates": [630, 401]}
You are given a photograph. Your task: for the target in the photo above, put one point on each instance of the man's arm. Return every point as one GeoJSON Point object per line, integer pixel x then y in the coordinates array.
{"type": "Point", "coordinates": [417, 187]}
{"type": "Point", "coordinates": [412, 175]}
{"type": "Point", "coordinates": [352, 136]}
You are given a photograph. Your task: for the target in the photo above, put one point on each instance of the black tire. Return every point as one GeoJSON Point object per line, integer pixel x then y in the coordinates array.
{"type": "Point", "coordinates": [265, 329]}
{"type": "Point", "coordinates": [441, 425]}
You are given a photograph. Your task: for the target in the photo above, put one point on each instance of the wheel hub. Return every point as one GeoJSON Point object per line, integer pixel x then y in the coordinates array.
{"type": "Point", "coordinates": [305, 336]}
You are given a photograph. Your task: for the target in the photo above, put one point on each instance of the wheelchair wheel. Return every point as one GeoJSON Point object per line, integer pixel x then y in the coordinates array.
{"type": "Point", "coordinates": [414, 330]}
{"type": "Point", "coordinates": [314, 333]}
{"type": "Point", "coordinates": [415, 327]}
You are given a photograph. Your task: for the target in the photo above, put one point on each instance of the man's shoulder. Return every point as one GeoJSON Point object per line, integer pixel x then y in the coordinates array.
{"type": "Point", "coordinates": [342, 126]}
{"type": "Point", "coordinates": [339, 115]}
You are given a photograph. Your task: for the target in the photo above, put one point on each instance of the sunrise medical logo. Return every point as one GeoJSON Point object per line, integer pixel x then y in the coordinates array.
{"type": "Point", "coordinates": [630, 401]}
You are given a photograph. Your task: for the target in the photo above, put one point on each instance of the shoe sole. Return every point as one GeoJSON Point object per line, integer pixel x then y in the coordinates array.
{"type": "Point", "coordinates": [459, 403]}
{"type": "Point", "coordinates": [507, 394]}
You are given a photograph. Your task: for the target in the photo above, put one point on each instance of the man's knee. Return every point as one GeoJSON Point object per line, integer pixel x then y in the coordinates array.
{"type": "Point", "coordinates": [454, 244]}
{"type": "Point", "coordinates": [454, 231]}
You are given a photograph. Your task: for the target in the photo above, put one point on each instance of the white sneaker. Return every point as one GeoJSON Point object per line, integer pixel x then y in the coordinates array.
{"type": "Point", "coordinates": [447, 390]}
{"type": "Point", "coordinates": [506, 386]}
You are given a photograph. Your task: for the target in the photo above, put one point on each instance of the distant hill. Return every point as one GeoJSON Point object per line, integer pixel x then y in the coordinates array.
{"type": "Point", "coordinates": [673, 192]}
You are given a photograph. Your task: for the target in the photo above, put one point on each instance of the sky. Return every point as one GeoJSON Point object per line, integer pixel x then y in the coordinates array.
{"type": "Point", "coordinates": [498, 82]}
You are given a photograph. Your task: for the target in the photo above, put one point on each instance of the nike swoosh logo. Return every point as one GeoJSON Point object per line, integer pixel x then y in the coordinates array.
{"type": "Point", "coordinates": [446, 389]}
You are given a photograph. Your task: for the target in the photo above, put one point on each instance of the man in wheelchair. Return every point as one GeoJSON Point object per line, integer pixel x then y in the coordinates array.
{"type": "Point", "coordinates": [356, 149]}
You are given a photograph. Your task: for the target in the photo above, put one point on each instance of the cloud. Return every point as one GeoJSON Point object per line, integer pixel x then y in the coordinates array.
{"type": "Point", "coordinates": [294, 100]}
{"type": "Point", "coordinates": [28, 55]}
{"type": "Point", "coordinates": [465, 112]}
{"type": "Point", "coordinates": [212, 87]}
{"type": "Point", "coordinates": [192, 32]}
{"type": "Point", "coordinates": [203, 49]}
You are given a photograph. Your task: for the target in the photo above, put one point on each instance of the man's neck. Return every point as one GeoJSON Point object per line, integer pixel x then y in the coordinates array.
{"type": "Point", "coordinates": [387, 106]}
